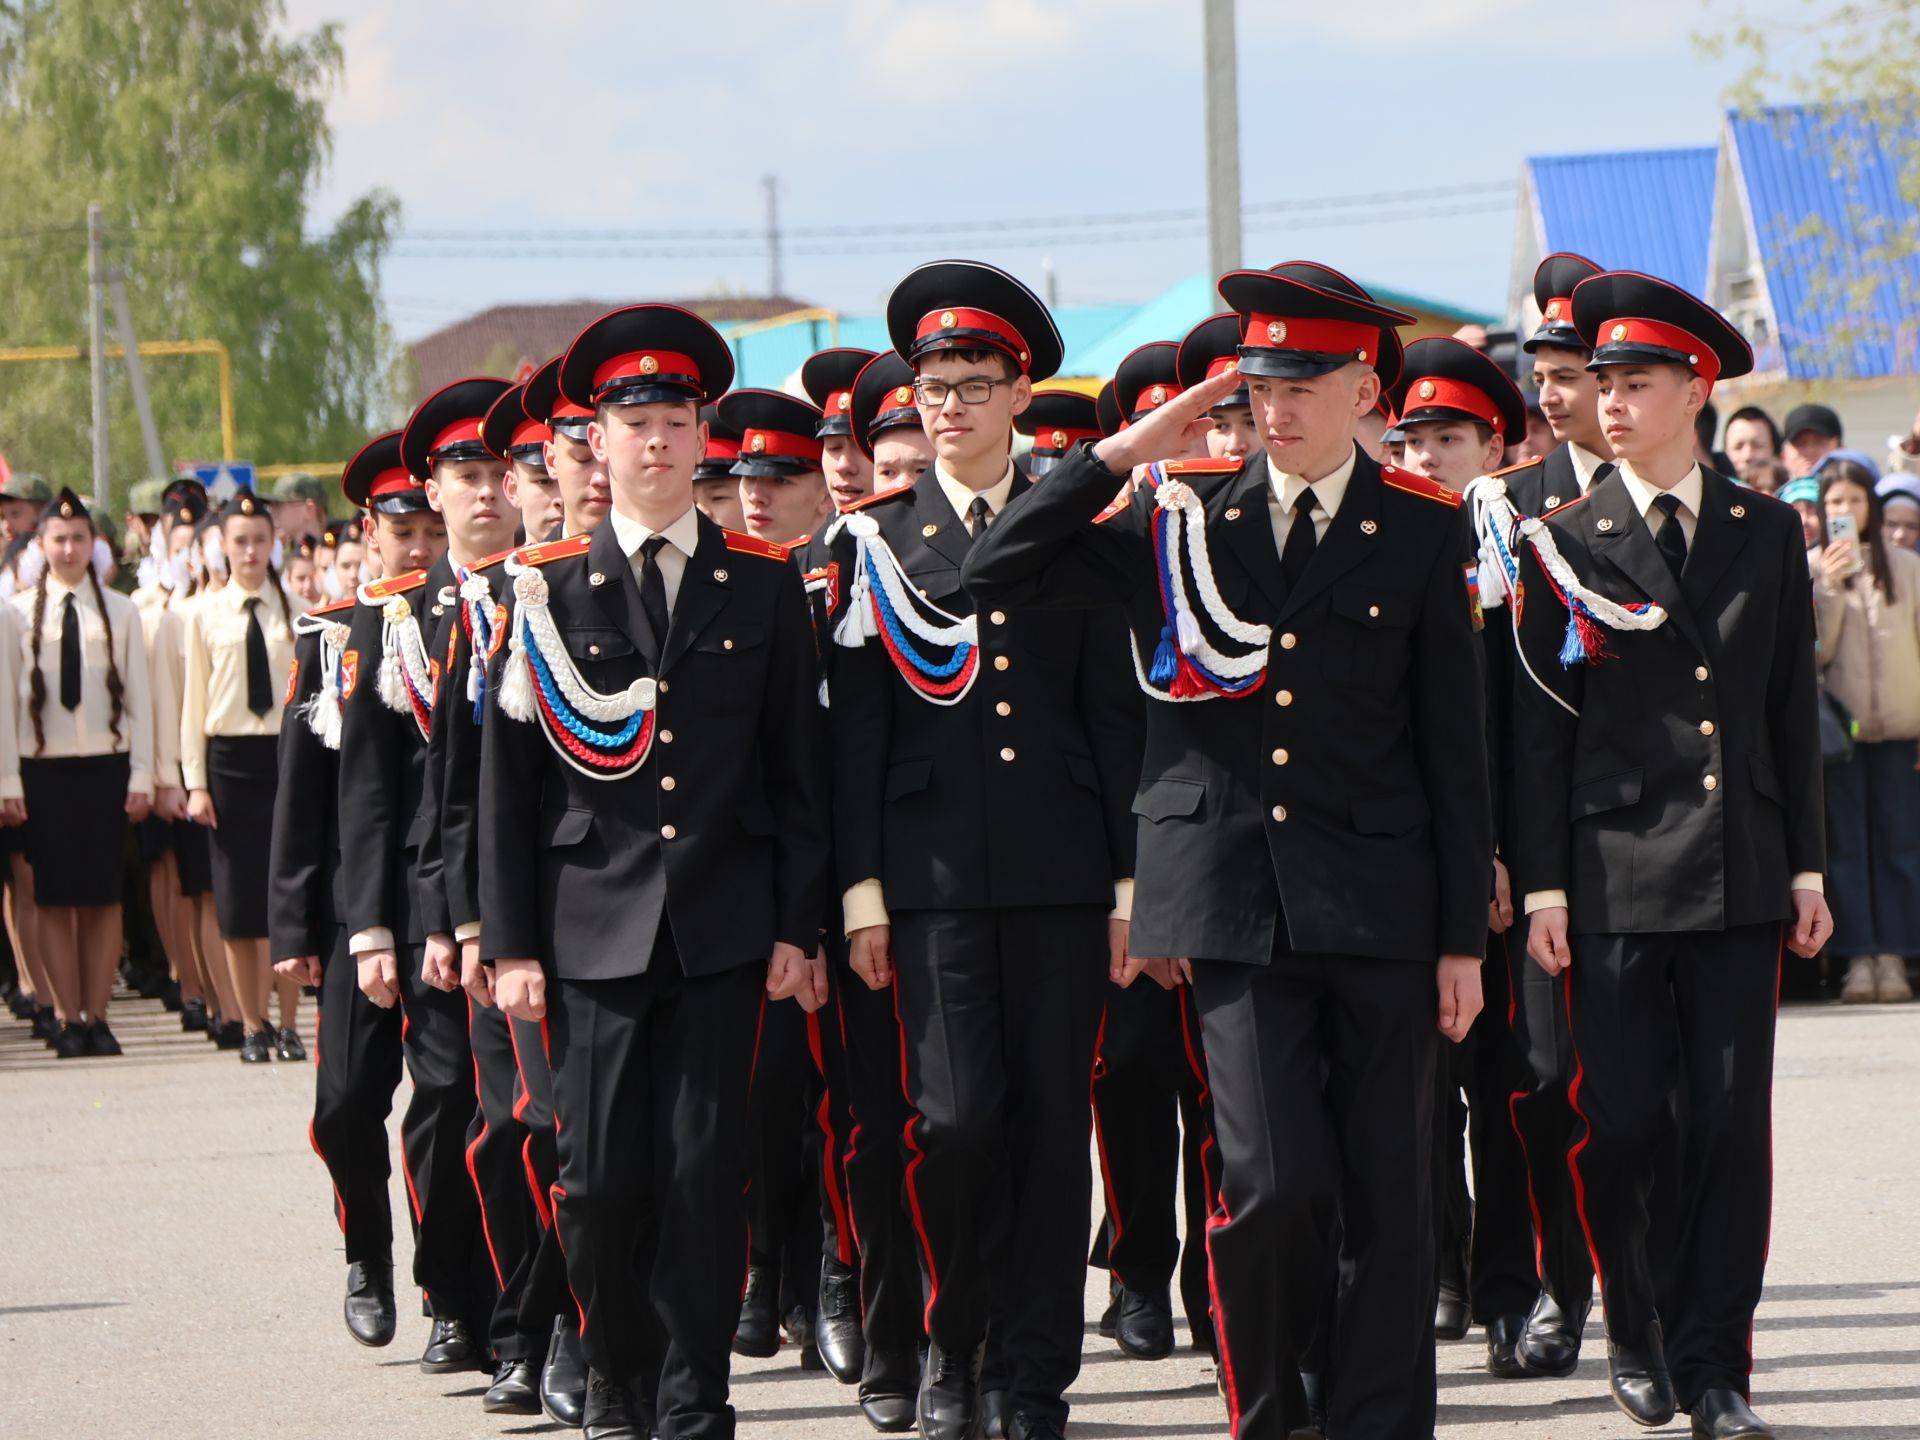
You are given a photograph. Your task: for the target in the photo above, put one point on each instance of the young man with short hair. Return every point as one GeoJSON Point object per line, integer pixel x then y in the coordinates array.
{"type": "Point", "coordinates": [886, 422]}
{"type": "Point", "coordinates": [783, 491]}
{"type": "Point", "coordinates": [828, 377]}
{"type": "Point", "coordinates": [1753, 444]}
{"type": "Point", "coordinates": [1671, 841]}
{"type": "Point", "coordinates": [582, 480]}
{"type": "Point", "coordinates": [1812, 433]}
{"type": "Point", "coordinates": [513, 435]}
{"type": "Point", "coordinates": [716, 489]}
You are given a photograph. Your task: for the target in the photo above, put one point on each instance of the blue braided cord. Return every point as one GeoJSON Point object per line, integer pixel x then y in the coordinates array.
{"type": "Point", "coordinates": [483, 646]}
{"type": "Point", "coordinates": [925, 666]}
{"type": "Point", "coordinates": [564, 714]}
{"type": "Point", "coordinates": [1168, 632]}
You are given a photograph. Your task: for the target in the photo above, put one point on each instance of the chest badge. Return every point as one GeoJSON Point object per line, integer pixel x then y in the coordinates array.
{"type": "Point", "coordinates": [1369, 527]}
{"type": "Point", "coordinates": [1603, 525]}
{"type": "Point", "coordinates": [1233, 513]}
{"type": "Point", "coordinates": [929, 531]}
{"type": "Point", "coordinates": [1738, 512]}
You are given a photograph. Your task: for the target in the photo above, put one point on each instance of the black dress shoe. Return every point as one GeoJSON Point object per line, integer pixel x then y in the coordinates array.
{"type": "Point", "coordinates": [949, 1404]}
{"type": "Point", "coordinates": [758, 1333]}
{"type": "Point", "coordinates": [1144, 1328]}
{"type": "Point", "coordinates": [996, 1414]}
{"type": "Point", "coordinates": [801, 1333]}
{"type": "Point", "coordinates": [369, 1308]}
{"type": "Point", "coordinates": [1034, 1427]}
{"type": "Point", "coordinates": [193, 1017]}
{"type": "Point", "coordinates": [20, 1004]}
{"type": "Point", "coordinates": [229, 1035]}
{"type": "Point", "coordinates": [1314, 1385]}
{"type": "Point", "coordinates": [170, 996]}
{"type": "Point", "coordinates": [843, 1349]}
{"type": "Point", "coordinates": [71, 1042]}
{"type": "Point", "coordinates": [1451, 1317]}
{"type": "Point", "coordinates": [1551, 1344]}
{"type": "Point", "coordinates": [286, 1044]}
{"type": "Point", "coordinates": [100, 1039]}
{"type": "Point", "coordinates": [1637, 1375]}
{"type": "Point", "coordinates": [1504, 1333]}
{"type": "Point", "coordinates": [450, 1349]}
{"type": "Point", "coordinates": [611, 1412]}
{"type": "Point", "coordinates": [563, 1381]}
{"type": "Point", "coordinates": [887, 1386]}
{"type": "Point", "coordinates": [1725, 1415]}
{"type": "Point", "coordinates": [515, 1389]}
{"type": "Point", "coordinates": [46, 1024]}
{"type": "Point", "coordinates": [257, 1047]}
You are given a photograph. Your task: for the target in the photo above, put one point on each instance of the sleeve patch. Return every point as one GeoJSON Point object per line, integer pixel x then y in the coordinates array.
{"type": "Point", "coordinates": [1473, 596]}
{"type": "Point", "coordinates": [293, 682]}
{"type": "Point", "coordinates": [349, 673]}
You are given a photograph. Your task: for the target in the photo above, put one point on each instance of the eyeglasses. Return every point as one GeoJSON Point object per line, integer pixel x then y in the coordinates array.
{"type": "Point", "coordinates": [972, 392]}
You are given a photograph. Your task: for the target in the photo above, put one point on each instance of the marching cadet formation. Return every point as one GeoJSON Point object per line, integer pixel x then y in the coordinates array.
{"type": "Point", "coordinates": [786, 840]}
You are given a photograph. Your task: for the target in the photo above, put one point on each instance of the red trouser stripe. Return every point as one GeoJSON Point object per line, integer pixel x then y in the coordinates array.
{"type": "Point", "coordinates": [473, 1170]}
{"type": "Point", "coordinates": [1196, 1062]}
{"type": "Point", "coordinates": [1586, 1134]}
{"type": "Point", "coordinates": [406, 1161]}
{"type": "Point", "coordinates": [914, 1157]}
{"type": "Point", "coordinates": [1115, 1224]}
{"type": "Point", "coordinates": [313, 1136]}
{"type": "Point", "coordinates": [1214, 1221]}
{"type": "Point", "coordinates": [830, 1175]}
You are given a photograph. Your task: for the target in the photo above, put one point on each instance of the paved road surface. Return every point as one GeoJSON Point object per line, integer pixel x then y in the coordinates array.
{"type": "Point", "coordinates": [169, 1268]}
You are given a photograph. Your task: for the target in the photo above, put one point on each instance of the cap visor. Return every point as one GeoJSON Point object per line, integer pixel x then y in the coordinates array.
{"type": "Point", "coordinates": [1290, 364]}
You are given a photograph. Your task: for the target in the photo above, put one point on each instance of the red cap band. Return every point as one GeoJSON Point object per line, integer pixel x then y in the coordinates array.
{"type": "Point", "coordinates": [839, 402]}
{"type": "Point", "coordinates": [392, 482]}
{"type": "Point", "coordinates": [1060, 438]}
{"type": "Point", "coordinates": [1439, 391]}
{"type": "Point", "coordinates": [1559, 311]}
{"type": "Point", "coordinates": [990, 327]}
{"type": "Point", "coordinates": [1221, 364]}
{"type": "Point", "coordinates": [1313, 336]}
{"type": "Point", "coordinates": [719, 448]}
{"type": "Point", "coordinates": [778, 442]}
{"type": "Point", "coordinates": [455, 434]}
{"type": "Point", "coordinates": [529, 432]}
{"type": "Point", "coordinates": [1153, 397]}
{"type": "Point", "coordinates": [1630, 331]}
{"type": "Point", "coordinates": [665, 367]}
{"type": "Point", "coordinates": [565, 409]}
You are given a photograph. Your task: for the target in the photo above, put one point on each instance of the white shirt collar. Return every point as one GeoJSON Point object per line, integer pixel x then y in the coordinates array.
{"type": "Point", "coordinates": [1329, 491]}
{"type": "Point", "coordinates": [683, 534]}
{"type": "Point", "coordinates": [1688, 491]}
{"type": "Point", "coordinates": [961, 498]}
{"type": "Point", "coordinates": [1585, 463]}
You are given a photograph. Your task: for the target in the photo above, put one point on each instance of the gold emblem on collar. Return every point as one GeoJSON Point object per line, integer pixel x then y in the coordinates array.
{"type": "Point", "coordinates": [1233, 513]}
{"type": "Point", "coordinates": [929, 530]}
{"type": "Point", "coordinates": [1603, 525]}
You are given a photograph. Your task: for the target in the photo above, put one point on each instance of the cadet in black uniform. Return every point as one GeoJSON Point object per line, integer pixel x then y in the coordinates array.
{"type": "Point", "coordinates": [1330, 754]}
{"type": "Point", "coordinates": [1670, 839]}
{"type": "Point", "coordinates": [716, 489]}
{"type": "Point", "coordinates": [981, 760]}
{"type": "Point", "coordinates": [827, 377]}
{"type": "Point", "coordinates": [582, 480]}
{"type": "Point", "coordinates": [514, 435]}
{"type": "Point", "coordinates": [1056, 421]}
{"type": "Point", "coordinates": [652, 858]}
{"type": "Point", "coordinates": [887, 422]}
{"type": "Point", "coordinates": [387, 684]}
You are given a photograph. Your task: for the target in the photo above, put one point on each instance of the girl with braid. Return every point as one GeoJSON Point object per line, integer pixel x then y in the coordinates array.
{"type": "Point", "coordinates": [239, 655]}
{"type": "Point", "coordinates": [85, 737]}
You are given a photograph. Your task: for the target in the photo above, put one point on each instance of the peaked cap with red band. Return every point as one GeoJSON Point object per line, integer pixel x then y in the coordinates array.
{"type": "Point", "coordinates": [1554, 280]}
{"type": "Point", "coordinates": [447, 424]}
{"type": "Point", "coordinates": [1211, 348]}
{"type": "Point", "coordinates": [723, 446]}
{"type": "Point", "coordinates": [1146, 379]}
{"type": "Point", "coordinates": [376, 480]}
{"type": "Point", "coordinates": [778, 432]}
{"type": "Point", "coordinates": [1300, 319]}
{"type": "Point", "coordinates": [646, 355]}
{"type": "Point", "coordinates": [827, 377]}
{"type": "Point", "coordinates": [883, 400]}
{"type": "Point", "coordinates": [511, 434]}
{"type": "Point", "coordinates": [1107, 410]}
{"type": "Point", "coordinates": [1627, 318]}
{"type": "Point", "coordinates": [968, 305]}
{"type": "Point", "coordinates": [1057, 420]}
{"type": "Point", "coordinates": [1447, 379]}
{"type": "Point", "coordinates": [544, 402]}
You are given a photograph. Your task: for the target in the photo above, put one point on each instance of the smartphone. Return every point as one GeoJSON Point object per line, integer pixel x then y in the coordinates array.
{"type": "Point", "coordinates": [1845, 527]}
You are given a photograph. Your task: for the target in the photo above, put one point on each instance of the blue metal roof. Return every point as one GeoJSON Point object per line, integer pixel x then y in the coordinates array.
{"type": "Point", "coordinates": [1645, 210]}
{"type": "Point", "coordinates": [1833, 235]}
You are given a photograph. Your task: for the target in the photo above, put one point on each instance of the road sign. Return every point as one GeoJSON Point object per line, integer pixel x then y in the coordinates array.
{"type": "Point", "coordinates": [222, 478]}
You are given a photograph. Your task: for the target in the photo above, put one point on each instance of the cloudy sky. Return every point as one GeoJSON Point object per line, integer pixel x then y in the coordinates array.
{"type": "Point", "coordinates": [1380, 136]}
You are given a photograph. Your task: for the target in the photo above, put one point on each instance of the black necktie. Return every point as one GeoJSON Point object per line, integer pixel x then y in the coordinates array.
{"type": "Point", "coordinates": [979, 516]}
{"type": "Point", "coordinates": [653, 588]}
{"type": "Point", "coordinates": [259, 668]}
{"type": "Point", "coordinates": [70, 655]}
{"type": "Point", "coordinates": [1670, 538]}
{"type": "Point", "coordinates": [1301, 539]}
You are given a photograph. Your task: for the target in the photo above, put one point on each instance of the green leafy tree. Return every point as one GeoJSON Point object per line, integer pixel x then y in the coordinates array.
{"type": "Point", "coordinates": [200, 127]}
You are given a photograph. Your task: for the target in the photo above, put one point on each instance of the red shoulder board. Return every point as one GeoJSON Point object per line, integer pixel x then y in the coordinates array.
{"type": "Point", "coordinates": [1562, 509]}
{"type": "Point", "coordinates": [1120, 502]}
{"type": "Point", "coordinates": [798, 542]}
{"type": "Point", "coordinates": [335, 608]}
{"type": "Point", "coordinates": [1419, 485]}
{"type": "Point", "coordinates": [1201, 467]}
{"type": "Point", "coordinates": [396, 585]}
{"type": "Point", "coordinates": [1516, 469]}
{"type": "Point", "coordinates": [866, 500]}
{"type": "Point", "coordinates": [493, 560]}
{"type": "Point", "coordinates": [747, 545]}
{"type": "Point", "coordinates": [547, 550]}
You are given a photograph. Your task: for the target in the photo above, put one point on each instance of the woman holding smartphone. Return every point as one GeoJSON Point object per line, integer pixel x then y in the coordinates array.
{"type": "Point", "coordinates": [1867, 603]}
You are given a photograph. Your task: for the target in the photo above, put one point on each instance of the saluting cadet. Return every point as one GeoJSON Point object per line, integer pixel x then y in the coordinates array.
{"type": "Point", "coordinates": [387, 688]}
{"type": "Point", "coordinates": [1057, 420]}
{"type": "Point", "coordinates": [1671, 839]}
{"type": "Point", "coordinates": [511, 434]}
{"type": "Point", "coordinates": [981, 759]}
{"type": "Point", "coordinates": [828, 377]}
{"type": "Point", "coordinates": [78, 753]}
{"type": "Point", "coordinates": [239, 644]}
{"type": "Point", "coordinates": [1331, 754]}
{"type": "Point", "coordinates": [1212, 348]}
{"type": "Point", "coordinates": [716, 489]}
{"type": "Point", "coordinates": [652, 859]}
{"type": "Point", "coordinates": [584, 497]}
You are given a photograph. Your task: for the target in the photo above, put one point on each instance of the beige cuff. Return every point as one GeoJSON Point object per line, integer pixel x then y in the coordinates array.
{"type": "Point", "coordinates": [1546, 900]}
{"type": "Point", "coordinates": [194, 775]}
{"type": "Point", "coordinates": [1810, 880]}
{"type": "Point", "coordinates": [863, 905]}
{"type": "Point", "coordinates": [466, 932]}
{"type": "Point", "coordinates": [10, 786]}
{"type": "Point", "coordinates": [1122, 900]}
{"type": "Point", "coordinates": [376, 937]}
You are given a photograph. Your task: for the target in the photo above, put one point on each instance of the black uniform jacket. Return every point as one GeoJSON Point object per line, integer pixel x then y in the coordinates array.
{"type": "Point", "coordinates": [721, 832]}
{"type": "Point", "coordinates": [1015, 796]}
{"type": "Point", "coordinates": [303, 908]}
{"type": "Point", "coordinates": [383, 766]}
{"type": "Point", "coordinates": [1686, 792]}
{"type": "Point", "coordinates": [1349, 795]}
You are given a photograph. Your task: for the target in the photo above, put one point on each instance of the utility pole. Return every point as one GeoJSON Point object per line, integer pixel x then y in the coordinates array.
{"type": "Point", "coordinates": [774, 286]}
{"type": "Point", "coordinates": [1222, 80]}
{"type": "Point", "coordinates": [137, 376]}
{"type": "Point", "coordinates": [97, 348]}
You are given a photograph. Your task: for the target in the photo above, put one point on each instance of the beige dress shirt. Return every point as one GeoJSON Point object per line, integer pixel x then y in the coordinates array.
{"type": "Point", "coordinates": [1283, 493]}
{"type": "Point", "coordinates": [214, 686]}
{"type": "Point", "coordinates": [683, 538]}
{"type": "Point", "coordinates": [1585, 463]}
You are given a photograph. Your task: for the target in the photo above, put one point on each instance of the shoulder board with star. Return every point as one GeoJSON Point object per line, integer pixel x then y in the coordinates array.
{"type": "Point", "coordinates": [493, 560]}
{"type": "Point", "coordinates": [875, 498]}
{"type": "Point", "coordinates": [396, 585]}
{"type": "Point", "coordinates": [1120, 503]}
{"type": "Point", "coordinates": [1419, 485]}
{"type": "Point", "coordinates": [747, 545]}
{"type": "Point", "coordinates": [1562, 509]}
{"type": "Point", "coordinates": [338, 607]}
{"type": "Point", "coordinates": [549, 550]}
{"type": "Point", "coordinates": [1202, 467]}
{"type": "Point", "coordinates": [1516, 469]}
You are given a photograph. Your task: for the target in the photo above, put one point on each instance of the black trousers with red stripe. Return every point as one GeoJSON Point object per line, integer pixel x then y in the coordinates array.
{"type": "Point", "coordinates": [356, 1060]}
{"type": "Point", "coordinates": [784, 1151]}
{"type": "Point", "coordinates": [1149, 1082]}
{"type": "Point", "coordinates": [544, 1296]}
{"type": "Point", "coordinates": [999, 1010]}
{"type": "Point", "coordinates": [651, 1079]}
{"type": "Point", "coordinates": [1322, 1072]}
{"type": "Point", "coordinates": [1653, 1015]}
{"type": "Point", "coordinates": [496, 1151]}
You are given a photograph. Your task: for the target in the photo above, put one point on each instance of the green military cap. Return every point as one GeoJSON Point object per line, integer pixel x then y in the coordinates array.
{"type": "Point", "coordinates": [26, 485]}
{"type": "Point", "coordinates": [146, 497]}
{"type": "Point", "coordinates": [105, 525]}
{"type": "Point", "coordinates": [298, 485]}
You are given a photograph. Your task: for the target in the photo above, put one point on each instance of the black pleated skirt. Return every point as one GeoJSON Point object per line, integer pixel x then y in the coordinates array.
{"type": "Point", "coordinates": [242, 774]}
{"type": "Point", "coordinates": [76, 828]}
{"type": "Point", "coordinates": [193, 855]}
